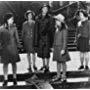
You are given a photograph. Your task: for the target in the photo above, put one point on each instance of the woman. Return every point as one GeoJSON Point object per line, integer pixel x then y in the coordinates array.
{"type": "Point", "coordinates": [43, 33]}
{"type": "Point", "coordinates": [60, 53]}
{"type": "Point", "coordinates": [9, 41]}
{"type": "Point", "coordinates": [83, 38]}
{"type": "Point", "coordinates": [28, 38]}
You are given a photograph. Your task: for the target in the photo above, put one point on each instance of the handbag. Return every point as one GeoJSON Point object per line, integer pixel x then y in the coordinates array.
{"type": "Point", "coordinates": [66, 56]}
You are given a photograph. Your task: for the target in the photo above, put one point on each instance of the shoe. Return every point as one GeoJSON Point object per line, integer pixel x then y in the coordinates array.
{"type": "Point", "coordinates": [30, 70]}
{"type": "Point", "coordinates": [81, 67]}
{"type": "Point", "coordinates": [5, 83]}
{"type": "Point", "coordinates": [46, 70]}
{"type": "Point", "coordinates": [14, 81]}
{"type": "Point", "coordinates": [35, 68]}
{"type": "Point", "coordinates": [64, 81]}
{"type": "Point", "coordinates": [86, 68]}
{"type": "Point", "coordinates": [42, 68]}
{"type": "Point", "coordinates": [56, 79]}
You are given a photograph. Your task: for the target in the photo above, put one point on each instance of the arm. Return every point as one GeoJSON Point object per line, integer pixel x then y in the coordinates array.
{"type": "Point", "coordinates": [36, 34]}
{"type": "Point", "coordinates": [89, 31]}
{"type": "Point", "coordinates": [16, 36]}
{"type": "Point", "coordinates": [23, 31]}
{"type": "Point", "coordinates": [52, 32]}
{"type": "Point", "coordinates": [65, 34]}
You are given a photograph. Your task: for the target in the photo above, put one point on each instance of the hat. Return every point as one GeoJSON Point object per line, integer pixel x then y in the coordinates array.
{"type": "Point", "coordinates": [83, 11]}
{"type": "Point", "coordinates": [7, 16]}
{"type": "Point", "coordinates": [28, 12]}
{"type": "Point", "coordinates": [60, 17]}
{"type": "Point", "coordinates": [45, 5]}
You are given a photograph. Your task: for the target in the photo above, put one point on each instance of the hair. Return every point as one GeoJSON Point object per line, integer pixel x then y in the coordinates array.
{"type": "Point", "coordinates": [45, 5]}
{"type": "Point", "coordinates": [6, 17]}
{"type": "Point", "coordinates": [28, 14]}
{"type": "Point", "coordinates": [63, 26]}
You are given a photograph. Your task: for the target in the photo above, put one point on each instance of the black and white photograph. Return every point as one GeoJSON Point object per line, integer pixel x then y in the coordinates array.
{"type": "Point", "coordinates": [44, 44]}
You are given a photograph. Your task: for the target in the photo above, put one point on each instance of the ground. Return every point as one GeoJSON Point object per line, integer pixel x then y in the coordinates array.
{"type": "Point", "coordinates": [72, 67]}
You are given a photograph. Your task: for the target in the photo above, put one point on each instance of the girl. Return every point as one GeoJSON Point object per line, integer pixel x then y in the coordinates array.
{"type": "Point", "coordinates": [83, 38]}
{"type": "Point", "coordinates": [9, 41]}
{"type": "Point", "coordinates": [60, 53]}
{"type": "Point", "coordinates": [28, 38]}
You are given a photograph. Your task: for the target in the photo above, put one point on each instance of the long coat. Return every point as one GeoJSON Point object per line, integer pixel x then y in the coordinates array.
{"type": "Point", "coordinates": [9, 40]}
{"type": "Point", "coordinates": [28, 36]}
{"type": "Point", "coordinates": [44, 35]}
{"type": "Point", "coordinates": [60, 43]}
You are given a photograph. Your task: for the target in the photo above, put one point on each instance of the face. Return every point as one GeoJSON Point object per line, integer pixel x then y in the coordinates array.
{"type": "Point", "coordinates": [45, 10]}
{"type": "Point", "coordinates": [29, 16]}
{"type": "Point", "coordinates": [81, 16]}
{"type": "Point", "coordinates": [58, 23]}
{"type": "Point", "coordinates": [11, 20]}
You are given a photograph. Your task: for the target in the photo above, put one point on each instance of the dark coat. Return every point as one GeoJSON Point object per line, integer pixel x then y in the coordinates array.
{"type": "Point", "coordinates": [44, 33]}
{"type": "Point", "coordinates": [9, 40]}
{"type": "Point", "coordinates": [28, 36]}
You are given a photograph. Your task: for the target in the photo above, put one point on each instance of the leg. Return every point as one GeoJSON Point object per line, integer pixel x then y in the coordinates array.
{"type": "Point", "coordinates": [34, 60]}
{"type": "Point", "coordinates": [47, 66]}
{"type": "Point", "coordinates": [29, 61]}
{"type": "Point", "coordinates": [64, 67]}
{"type": "Point", "coordinates": [5, 70]}
{"type": "Point", "coordinates": [14, 69]}
{"type": "Point", "coordinates": [86, 55]}
{"type": "Point", "coordinates": [44, 64]}
{"type": "Point", "coordinates": [58, 77]}
{"type": "Point", "coordinates": [47, 61]}
{"type": "Point", "coordinates": [59, 67]}
{"type": "Point", "coordinates": [81, 60]}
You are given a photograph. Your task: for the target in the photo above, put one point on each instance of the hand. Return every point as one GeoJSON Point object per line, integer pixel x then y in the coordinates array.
{"type": "Point", "coordinates": [52, 49]}
{"type": "Point", "coordinates": [75, 41]}
{"type": "Point", "coordinates": [19, 45]}
{"type": "Point", "coordinates": [79, 35]}
{"type": "Point", "coordinates": [79, 23]}
{"type": "Point", "coordinates": [62, 52]}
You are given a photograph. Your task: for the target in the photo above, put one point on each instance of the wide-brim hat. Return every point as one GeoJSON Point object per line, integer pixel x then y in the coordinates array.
{"type": "Point", "coordinates": [59, 17]}
{"type": "Point", "coordinates": [83, 11]}
{"type": "Point", "coordinates": [8, 16]}
{"type": "Point", "coordinates": [28, 12]}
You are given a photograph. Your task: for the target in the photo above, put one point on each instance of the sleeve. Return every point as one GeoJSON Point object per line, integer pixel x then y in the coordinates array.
{"type": "Point", "coordinates": [0, 40]}
{"type": "Point", "coordinates": [76, 33]}
{"type": "Point", "coordinates": [65, 34]}
{"type": "Point", "coordinates": [89, 29]}
{"type": "Point", "coordinates": [36, 34]}
{"type": "Point", "coordinates": [16, 36]}
{"type": "Point", "coordinates": [23, 31]}
{"type": "Point", "coordinates": [52, 32]}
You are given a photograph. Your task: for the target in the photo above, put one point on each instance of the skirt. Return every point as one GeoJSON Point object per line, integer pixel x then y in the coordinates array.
{"type": "Point", "coordinates": [83, 44]}
{"type": "Point", "coordinates": [9, 54]}
{"type": "Point", "coordinates": [58, 57]}
{"type": "Point", "coordinates": [28, 45]}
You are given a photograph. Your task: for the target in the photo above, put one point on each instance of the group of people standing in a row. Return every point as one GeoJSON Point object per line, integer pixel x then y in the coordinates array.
{"type": "Point", "coordinates": [44, 34]}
